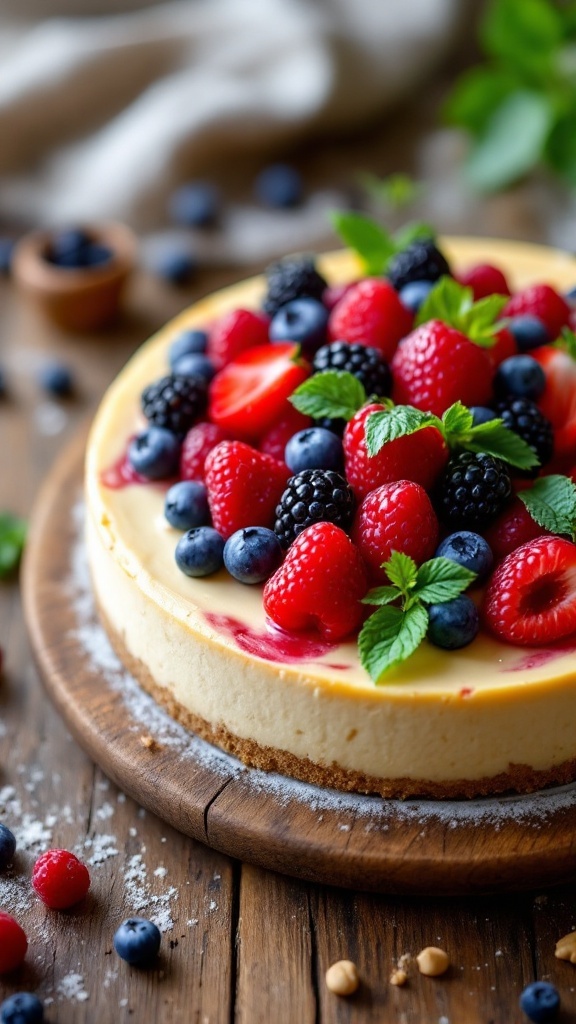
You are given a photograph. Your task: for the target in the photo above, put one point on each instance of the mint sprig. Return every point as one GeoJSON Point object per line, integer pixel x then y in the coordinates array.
{"type": "Point", "coordinates": [454, 304]}
{"type": "Point", "coordinates": [393, 632]}
{"type": "Point", "coordinates": [335, 394]}
{"type": "Point", "coordinates": [374, 245]}
{"type": "Point", "coordinates": [551, 502]}
{"type": "Point", "coordinates": [567, 342]}
{"type": "Point", "coordinates": [12, 540]}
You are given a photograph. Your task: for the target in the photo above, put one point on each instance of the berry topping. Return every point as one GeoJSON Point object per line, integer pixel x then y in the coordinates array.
{"type": "Point", "coordinates": [244, 486]}
{"type": "Point", "coordinates": [7, 846]}
{"type": "Point", "coordinates": [320, 585]}
{"type": "Point", "coordinates": [312, 496]}
{"type": "Point", "coordinates": [279, 186]}
{"type": "Point", "coordinates": [421, 261]}
{"type": "Point", "coordinates": [525, 419]}
{"type": "Point", "coordinates": [540, 1002]}
{"type": "Point", "coordinates": [252, 555]}
{"type": "Point", "coordinates": [60, 879]}
{"type": "Point", "coordinates": [195, 204]}
{"type": "Point", "coordinates": [234, 333]}
{"type": "Point", "coordinates": [137, 941]}
{"type": "Point", "coordinates": [484, 280]}
{"type": "Point", "coordinates": [531, 598]}
{"type": "Point", "coordinates": [468, 549]}
{"type": "Point", "coordinates": [13, 943]}
{"type": "Point", "coordinates": [512, 528]}
{"type": "Point", "coordinates": [199, 441]}
{"type": "Point", "coordinates": [529, 332]}
{"type": "Point", "coordinates": [362, 361]}
{"type": "Point", "coordinates": [200, 552]}
{"type": "Point", "coordinates": [474, 489]}
{"type": "Point", "coordinates": [304, 321]}
{"type": "Point", "coordinates": [314, 448]}
{"type": "Point", "coordinates": [187, 343]}
{"type": "Point", "coordinates": [154, 453]}
{"type": "Point", "coordinates": [395, 517]}
{"type": "Point", "coordinates": [174, 402]}
{"type": "Point", "coordinates": [453, 624]}
{"type": "Point", "coordinates": [274, 441]}
{"type": "Point", "coordinates": [292, 278]}
{"type": "Point", "coordinates": [22, 1008]}
{"type": "Point", "coordinates": [370, 313]}
{"type": "Point", "coordinates": [195, 364]}
{"type": "Point", "coordinates": [186, 505]}
{"type": "Point", "coordinates": [412, 295]}
{"type": "Point", "coordinates": [544, 302]}
{"type": "Point", "coordinates": [519, 376]}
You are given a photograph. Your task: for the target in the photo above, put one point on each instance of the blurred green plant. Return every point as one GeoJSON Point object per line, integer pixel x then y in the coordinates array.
{"type": "Point", "coordinates": [395, 191]}
{"type": "Point", "coordinates": [372, 243]}
{"type": "Point", "coordinates": [12, 540]}
{"type": "Point", "coordinates": [520, 106]}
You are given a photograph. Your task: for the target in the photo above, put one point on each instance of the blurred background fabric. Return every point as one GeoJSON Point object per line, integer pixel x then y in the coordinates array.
{"type": "Point", "coordinates": [107, 105]}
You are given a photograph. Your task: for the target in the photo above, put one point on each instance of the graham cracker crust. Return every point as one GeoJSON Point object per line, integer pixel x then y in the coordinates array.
{"type": "Point", "coordinates": [520, 778]}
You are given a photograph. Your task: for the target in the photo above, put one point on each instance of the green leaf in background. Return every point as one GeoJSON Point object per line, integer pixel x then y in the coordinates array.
{"type": "Point", "coordinates": [513, 141]}
{"type": "Point", "coordinates": [12, 540]}
{"type": "Point", "coordinates": [335, 394]}
{"type": "Point", "coordinates": [390, 636]}
{"type": "Point", "coordinates": [477, 95]}
{"type": "Point", "coordinates": [561, 145]}
{"type": "Point", "coordinates": [551, 502]}
{"type": "Point", "coordinates": [441, 580]}
{"type": "Point", "coordinates": [395, 191]}
{"type": "Point", "coordinates": [567, 342]}
{"type": "Point", "coordinates": [412, 232]}
{"type": "Point", "coordinates": [372, 243]}
{"type": "Point", "coordinates": [522, 33]}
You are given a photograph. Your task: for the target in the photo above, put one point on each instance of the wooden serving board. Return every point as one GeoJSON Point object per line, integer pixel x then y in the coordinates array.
{"type": "Point", "coordinates": [341, 839]}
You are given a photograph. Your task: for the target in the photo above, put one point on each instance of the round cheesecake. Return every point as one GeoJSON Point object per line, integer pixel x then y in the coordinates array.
{"type": "Point", "coordinates": [485, 719]}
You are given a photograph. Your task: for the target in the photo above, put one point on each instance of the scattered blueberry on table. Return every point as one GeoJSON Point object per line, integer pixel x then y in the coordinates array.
{"type": "Point", "coordinates": [22, 1008]}
{"type": "Point", "coordinates": [540, 1002]}
{"type": "Point", "coordinates": [279, 186]}
{"type": "Point", "coordinates": [7, 846]}
{"type": "Point", "coordinates": [137, 941]}
{"type": "Point", "coordinates": [195, 204]}
{"type": "Point", "coordinates": [6, 252]}
{"type": "Point", "coordinates": [176, 264]}
{"type": "Point", "coordinates": [56, 379]}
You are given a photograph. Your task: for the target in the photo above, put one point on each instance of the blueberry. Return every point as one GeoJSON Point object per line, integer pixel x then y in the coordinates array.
{"type": "Point", "coordinates": [540, 1002]}
{"type": "Point", "coordinates": [453, 624]}
{"type": "Point", "coordinates": [174, 263]}
{"type": "Point", "coordinates": [186, 343]}
{"type": "Point", "coordinates": [195, 364]}
{"type": "Point", "coordinates": [7, 846]}
{"type": "Point", "coordinates": [314, 448]}
{"type": "Point", "coordinates": [56, 379]}
{"type": "Point", "coordinates": [529, 332]}
{"type": "Point", "coordinates": [520, 376]}
{"type": "Point", "coordinates": [279, 186]}
{"type": "Point", "coordinates": [468, 549]}
{"type": "Point", "coordinates": [186, 505]}
{"type": "Point", "coordinates": [137, 941]}
{"type": "Point", "coordinates": [6, 253]}
{"type": "Point", "coordinates": [195, 205]}
{"type": "Point", "coordinates": [571, 297]}
{"type": "Point", "coordinates": [412, 295]}
{"type": "Point", "coordinates": [480, 414]}
{"type": "Point", "coordinates": [22, 1008]}
{"type": "Point", "coordinates": [200, 552]}
{"type": "Point", "coordinates": [253, 554]}
{"type": "Point", "coordinates": [97, 254]}
{"type": "Point", "coordinates": [2, 383]}
{"type": "Point", "coordinates": [69, 248]}
{"type": "Point", "coordinates": [154, 453]}
{"type": "Point", "coordinates": [303, 321]}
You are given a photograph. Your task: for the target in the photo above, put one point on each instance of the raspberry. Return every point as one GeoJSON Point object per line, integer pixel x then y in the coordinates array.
{"type": "Point", "coordinates": [420, 457]}
{"type": "Point", "coordinates": [504, 347]}
{"type": "Point", "coordinates": [60, 879]}
{"type": "Point", "coordinates": [292, 278]}
{"type": "Point", "coordinates": [421, 261]}
{"type": "Point", "coordinates": [531, 598]}
{"type": "Point", "coordinates": [235, 332]}
{"type": "Point", "coordinates": [174, 402]}
{"type": "Point", "coordinates": [320, 585]}
{"type": "Point", "coordinates": [524, 417]}
{"type": "Point", "coordinates": [474, 489]}
{"type": "Point", "coordinates": [512, 528]}
{"type": "Point", "coordinates": [244, 486]}
{"type": "Point", "coordinates": [436, 365]}
{"type": "Point", "coordinates": [370, 313]}
{"type": "Point", "coordinates": [13, 943]}
{"type": "Point", "coordinates": [276, 438]}
{"type": "Point", "coordinates": [314, 495]}
{"type": "Point", "coordinates": [198, 443]}
{"type": "Point", "coordinates": [395, 517]}
{"type": "Point", "coordinates": [484, 280]}
{"type": "Point", "coordinates": [362, 361]}
{"type": "Point", "coordinates": [544, 302]}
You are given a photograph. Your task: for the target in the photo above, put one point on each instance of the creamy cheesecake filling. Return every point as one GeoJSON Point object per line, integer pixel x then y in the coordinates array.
{"type": "Point", "coordinates": [441, 716]}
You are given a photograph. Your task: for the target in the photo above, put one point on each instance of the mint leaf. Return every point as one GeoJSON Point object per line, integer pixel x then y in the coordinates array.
{"type": "Point", "coordinates": [523, 34]}
{"type": "Point", "coordinates": [371, 242]}
{"type": "Point", "coordinates": [551, 502]}
{"type": "Point", "coordinates": [477, 95]}
{"type": "Point", "coordinates": [457, 420]}
{"type": "Point", "coordinates": [441, 580]}
{"type": "Point", "coordinates": [567, 342]}
{"type": "Point", "coordinates": [390, 636]}
{"type": "Point", "coordinates": [447, 301]}
{"type": "Point", "coordinates": [382, 427]}
{"type": "Point", "coordinates": [413, 232]}
{"type": "Point", "coordinates": [12, 540]}
{"type": "Point", "coordinates": [512, 142]}
{"type": "Point", "coordinates": [335, 394]}
{"type": "Point", "coordinates": [401, 571]}
{"type": "Point", "coordinates": [501, 442]}
{"type": "Point", "coordinates": [381, 595]}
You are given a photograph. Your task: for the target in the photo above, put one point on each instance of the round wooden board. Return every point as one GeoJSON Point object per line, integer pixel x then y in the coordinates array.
{"type": "Point", "coordinates": [340, 839]}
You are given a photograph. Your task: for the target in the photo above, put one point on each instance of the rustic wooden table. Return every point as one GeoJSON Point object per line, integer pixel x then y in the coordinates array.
{"type": "Point", "coordinates": [240, 945]}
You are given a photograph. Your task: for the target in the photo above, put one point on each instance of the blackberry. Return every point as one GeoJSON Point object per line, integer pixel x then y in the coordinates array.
{"type": "Point", "coordinates": [474, 489]}
{"type": "Point", "coordinates": [362, 361]}
{"type": "Point", "coordinates": [292, 278]}
{"type": "Point", "coordinates": [174, 402]}
{"type": "Point", "coordinates": [313, 496]}
{"type": "Point", "coordinates": [421, 261]}
{"type": "Point", "coordinates": [524, 417]}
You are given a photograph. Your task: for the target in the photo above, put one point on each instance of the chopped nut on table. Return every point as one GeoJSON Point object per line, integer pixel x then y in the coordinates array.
{"type": "Point", "coordinates": [398, 977]}
{"type": "Point", "coordinates": [566, 948]}
{"type": "Point", "coordinates": [432, 961]}
{"type": "Point", "coordinates": [342, 978]}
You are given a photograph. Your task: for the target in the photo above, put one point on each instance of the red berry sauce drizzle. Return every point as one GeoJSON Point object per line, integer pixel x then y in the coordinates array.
{"type": "Point", "coordinates": [271, 643]}
{"type": "Point", "coordinates": [541, 656]}
{"type": "Point", "coordinates": [121, 473]}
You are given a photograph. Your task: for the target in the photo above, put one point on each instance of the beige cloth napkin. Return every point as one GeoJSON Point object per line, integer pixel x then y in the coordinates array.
{"type": "Point", "coordinates": [102, 115]}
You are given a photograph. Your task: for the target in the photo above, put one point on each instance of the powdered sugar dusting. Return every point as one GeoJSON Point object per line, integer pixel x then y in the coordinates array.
{"type": "Point", "coordinates": [141, 897]}
{"type": "Point", "coordinates": [72, 986]}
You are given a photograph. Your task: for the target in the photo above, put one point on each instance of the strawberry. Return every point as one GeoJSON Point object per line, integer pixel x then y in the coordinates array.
{"type": "Point", "coordinates": [244, 486]}
{"type": "Point", "coordinates": [512, 528]}
{"type": "Point", "coordinates": [531, 597]}
{"type": "Point", "coordinates": [437, 365]}
{"type": "Point", "coordinates": [276, 438]}
{"type": "Point", "coordinates": [252, 392]}
{"type": "Point", "coordinates": [504, 348]}
{"type": "Point", "coordinates": [544, 302]}
{"type": "Point", "coordinates": [558, 402]}
{"type": "Point", "coordinates": [484, 280]}
{"type": "Point", "coordinates": [320, 585]}
{"type": "Point", "coordinates": [395, 517]}
{"type": "Point", "coordinates": [370, 313]}
{"type": "Point", "coordinates": [199, 441]}
{"type": "Point", "coordinates": [420, 456]}
{"type": "Point", "coordinates": [235, 332]}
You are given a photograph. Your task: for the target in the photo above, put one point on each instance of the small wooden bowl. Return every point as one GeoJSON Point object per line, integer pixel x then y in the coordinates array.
{"type": "Point", "coordinates": [82, 298]}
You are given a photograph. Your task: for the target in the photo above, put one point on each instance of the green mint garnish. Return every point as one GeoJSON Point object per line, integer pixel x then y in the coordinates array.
{"type": "Point", "coordinates": [335, 394]}
{"type": "Point", "coordinates": [373, 244]}
{"type": "Point", "coordinates": [456, 427]}
{"type": "Point", "coordinates": [395, 631]}
{"type": "Point", "coordinates": [567, 342]}
{"type": "Point", "coordinates": [394, 191]}
{"type": "Point", "coordinates": [12, 540]}
{"type": "Point", "coordinates": [454, 305]}
{"type": "Point", "coordinates": [551, 502]}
